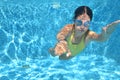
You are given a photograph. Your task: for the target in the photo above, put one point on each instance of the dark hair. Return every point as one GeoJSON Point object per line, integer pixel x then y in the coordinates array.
{"type": "Point", "coordinates": [81, 10]}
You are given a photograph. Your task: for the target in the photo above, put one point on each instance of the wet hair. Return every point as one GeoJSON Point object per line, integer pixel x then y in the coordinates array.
{"type": "Point", "coordinates": [81, 10]}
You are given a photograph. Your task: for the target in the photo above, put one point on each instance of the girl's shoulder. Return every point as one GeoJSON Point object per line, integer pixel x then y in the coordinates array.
{"type": "Point", "coordinates": [92, 35]}
{"type": "Point", "coordinates": [68, 27]}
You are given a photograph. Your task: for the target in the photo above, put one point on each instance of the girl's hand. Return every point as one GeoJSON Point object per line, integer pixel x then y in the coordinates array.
{"type": "Point", "coordinates": [61, 48]}
{"type": "Point", "coordinates": [118, 21]}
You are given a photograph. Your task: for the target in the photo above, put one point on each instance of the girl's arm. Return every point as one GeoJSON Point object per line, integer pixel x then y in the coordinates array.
{"type": "Point", "coordinates": [106, 31]}
{"type": "Point", "coordinates": [64, 32]}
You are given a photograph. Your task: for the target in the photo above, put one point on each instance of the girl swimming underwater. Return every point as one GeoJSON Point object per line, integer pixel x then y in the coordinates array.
{"type": "Point", "coordinates": [73, 38]}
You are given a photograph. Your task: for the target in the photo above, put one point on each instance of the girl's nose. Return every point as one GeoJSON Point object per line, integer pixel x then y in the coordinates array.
{"type": "Point", "coordinates": [82, 27]}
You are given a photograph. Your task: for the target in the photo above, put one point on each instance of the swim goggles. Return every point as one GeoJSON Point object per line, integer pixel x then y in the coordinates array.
{"type": "Point", "coordinates": [79, 23]}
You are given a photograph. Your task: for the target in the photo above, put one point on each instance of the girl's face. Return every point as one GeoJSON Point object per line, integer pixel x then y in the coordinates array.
{"type": "Point", "coordinates": [82, 23]}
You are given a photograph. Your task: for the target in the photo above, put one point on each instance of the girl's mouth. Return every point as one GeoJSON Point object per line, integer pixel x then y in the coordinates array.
{"type": "Point", "coordinates": [80, 30]}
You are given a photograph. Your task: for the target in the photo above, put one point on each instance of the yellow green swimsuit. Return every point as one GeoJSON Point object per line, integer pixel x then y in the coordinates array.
{"type": "Point", "coordinates": [75, 48]}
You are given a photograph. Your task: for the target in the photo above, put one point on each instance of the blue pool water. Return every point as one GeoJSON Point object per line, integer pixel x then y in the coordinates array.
{"type": "Point", "coordinates": [28, 29]}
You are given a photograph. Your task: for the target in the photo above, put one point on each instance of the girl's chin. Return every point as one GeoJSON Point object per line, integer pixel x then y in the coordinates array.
{"type": "Point", "coordinates": [80, 31]}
